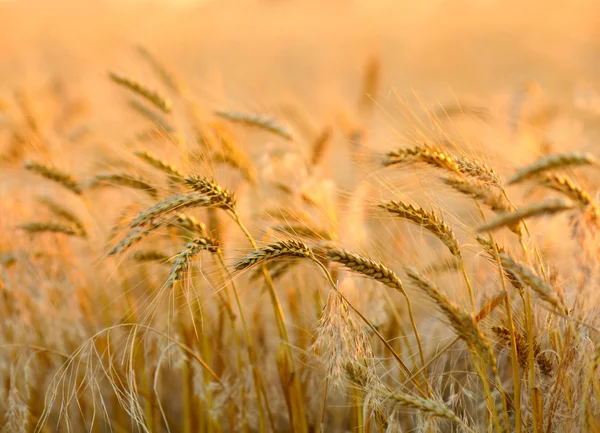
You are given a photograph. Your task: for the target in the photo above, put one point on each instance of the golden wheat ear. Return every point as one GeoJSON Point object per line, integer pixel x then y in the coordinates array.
{"type": "Point", "coordinates": [161, 102]}
{"type": "Point", "coordinates": [552, 162]}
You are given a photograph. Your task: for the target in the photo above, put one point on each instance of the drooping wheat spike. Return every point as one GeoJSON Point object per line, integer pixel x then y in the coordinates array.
{"type": "Point", "coordinates": [289, 248]}
{"type": "Point", "coordinates": [179, 220]}
{"type": "Point", "coordinates": [123, 179]}
{"type": "Point", "coordinates": [530, 279]}
{"type": "Point", "coordinates": [151, 116]}
{"type": "Point", "coordinates": [477, 170]}
{"type": "Point", "coordinates": [51, 227]}
{"type": "Point", "coordinates": [175, 203]}
{"type": "Point", "coordinates": [54, 174]}
{"type": "Point", "coordinates": [189, 223]}
{"type": "Point", "coordinates": [462, 322]}
{"type": "Point", "coordinates": [551, 162]}
{"type": "Point", "coordinates": [320, 145]}
{"type": "Point", "coordinates": [62, 212]}
{"type": "Point", "coordinates": [441, 266]}
{"type": "Point", "coordinates": [428, 220]}
{"type": "Point", "coordinates": [305, 231]}
{"type": "Point", "coordinates": [182, 260]}
{"type": "Point", "coordinates": [566, 186]}
{"type": "Point", "coordinates": [159, 164]}
{"type": "Point", "coordinates": [166, 77]}
{"type": "Point", "coordinates": [149, 256]}
{"type": "Point", "coordinates": [365, 266]}
{"type": "Point", "coordinates": [547, 207]}
{"type": "Point", "coordinates": [427, 154]}
{"type": "Point", "coordinates": [256, 120]}
{"type": "Point", "coordinates": [478, 190]}
{"type": "Point", "coordinates": [221, 196]}
{"type": "Point", "coordinates": [162, 103]}
{"type": "Point", "coordinates": [491, 249]}
{"type": "Point", "coordinates": [424, 405]}
{"type": "Point", "coordinates": [542, 361]}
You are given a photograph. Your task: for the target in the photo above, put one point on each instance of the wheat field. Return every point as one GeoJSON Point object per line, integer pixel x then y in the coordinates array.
{"type": "Point", "coordinates": [285, 216]}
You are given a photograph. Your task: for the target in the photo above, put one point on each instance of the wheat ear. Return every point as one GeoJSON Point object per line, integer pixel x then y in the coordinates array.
{"type": "Point", "coordinates": [161, 102]}
{"type": "Point", "coordinates": [54, 174]}
{"type": "Point", "coordinates": [551, 162]}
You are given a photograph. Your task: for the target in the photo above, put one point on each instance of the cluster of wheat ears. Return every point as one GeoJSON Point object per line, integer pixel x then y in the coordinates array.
{"type": "Point", "coordinates": [224, 298]}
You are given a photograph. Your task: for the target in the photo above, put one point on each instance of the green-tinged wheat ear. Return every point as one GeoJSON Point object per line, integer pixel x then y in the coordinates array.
{"type": "Point", "coordinates": [259, 121]}
{"type": "Point", "coordinates": [211, 189]}
{"type": "Point", "coordinates": [552, 162]}
{"type": "Point", "coordinates": [54, 174]}
{"type": "Point", "coordinates": [149, 256]}
{"type": "Point", "coordinates": [182, 259]}
{"type": "Point", "coordinates": [427, 154]}
{"type": "Point", "coordinates": [62, 212]}
{"type": "Point", "coordinates": [289, 248]}
{"type": "Point", "coordinates": [123, 179]}
{"type": "Point", "coordinates": [175, 203]}
{"type": "Point", "coordinates": [462, 322]}
{"type": "Point", "coordinates": [428, 220]}
{"type": "Point", "coordinates": [547, 207]}
{"type": "Point", "coordinates": [159, 164]}
{"type": "Point", "coordinates": [161, 102]}
{"type": "Point", "coordinates": [52, 227]}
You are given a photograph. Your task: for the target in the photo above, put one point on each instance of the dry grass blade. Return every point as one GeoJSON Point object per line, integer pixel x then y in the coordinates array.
{"type": "Point", "coordinates": [160, 102]}
{"type": "Point", "coordinates": [123, 179]}
{"type": "Point", "coordinates": [221, 196]}
{"type": "Point", "coordinates": [289, 248]}
{"type": "Point", "coordinates": [548, 207]}
{"type": "Point", "coordinates": [182, 259]}
{"type": "Point", "coordinates": [426, 154]}
{"type": "Point", "coordinates": [428, 220]}
{"type": "Point", "coordinates": [462, 322]}
{"type": "Point", "coordinates": [174, 203]}
{"type": "Point", "coordinates": [551, 162]}
{"type": "Point", "coordinates": [54, 174]}
{"type": "Point", "coordinates": [159, 164]}
{"type": "Point", "coordinates": [51, 227]}
{"type": "Point", "coordinates": [256, 120]}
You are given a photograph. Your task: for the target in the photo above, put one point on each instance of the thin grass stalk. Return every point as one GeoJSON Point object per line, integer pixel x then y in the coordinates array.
{"type": "Point", "coordinates": [298, 412]}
